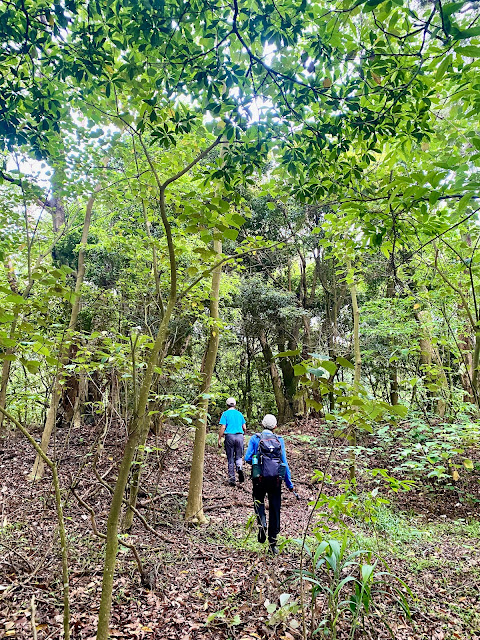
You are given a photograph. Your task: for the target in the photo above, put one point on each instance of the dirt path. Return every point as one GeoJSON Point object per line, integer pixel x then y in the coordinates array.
{"type": "Point", "coordinates": [214, 582]}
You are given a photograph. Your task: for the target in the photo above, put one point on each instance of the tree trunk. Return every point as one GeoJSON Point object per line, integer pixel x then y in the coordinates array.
{"type": "Point", "coordinates": [80, 400]}
{"type": "Point", "coordinates": [274, 376]}
{"type": "Point", "coordinates": [429, 355]}
{"type": "Point", "coordinates": [136, 435]}
{"type": "Point", "coordinates": [392, 367]}
{"type": "Point", "coordinates": [6, 366]}
{"type": "Point", "coordinates": [357, 354]}
{"type": "Point", "coordinates": [3, 386]}
{"type": "Point", "coordinates": [39, 464]}
{"type": "Point", "coordinates": [294, 405]}
{"type": "Point", "coordinates": [248, 383]}
{"type": "Point", "coordinates": [194, 509]}
{"type": "Point", "coordinates": [475, 361]}
{"type": "Point", "coordinates": [139, 423]}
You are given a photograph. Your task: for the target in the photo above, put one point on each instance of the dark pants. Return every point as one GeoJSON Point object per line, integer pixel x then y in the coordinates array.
{"type": "Point", "coordinates": [273, 488]}
{"type": "Point", "coordinates": [234, 451]}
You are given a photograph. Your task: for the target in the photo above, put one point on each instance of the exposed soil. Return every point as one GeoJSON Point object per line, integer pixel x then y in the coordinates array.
{"type": "Point", "coordinates": [193, 573]}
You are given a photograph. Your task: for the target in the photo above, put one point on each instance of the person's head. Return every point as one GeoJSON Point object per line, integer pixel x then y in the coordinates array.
{"type": "Point", "coordinates": [269, 421]}
{"type": "Point", "coordinates": [231, 403]}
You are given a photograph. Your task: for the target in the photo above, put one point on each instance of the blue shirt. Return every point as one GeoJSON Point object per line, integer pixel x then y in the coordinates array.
{"type": "Point", "coordinates": [252, 450]}
{"type": "Point", "coordinates": [233, 421]}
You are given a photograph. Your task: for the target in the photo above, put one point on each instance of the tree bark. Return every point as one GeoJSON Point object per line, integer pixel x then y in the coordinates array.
{"type": "Point", "coordinates": [274, 376]}
{"type": "Point", "coordinates": [429, 355]}
{"type": "Point", "coordinates": [357, 354]}
{"type": "Point", "coordinates": [392, 367]}
{"type": "Point", "coordinates": [6, 366]}
{"type": "Point", "coordinates": [293, 405]}
{"type": "Point", "coordinates": [136, 431]}
{"type": "Point", "coordinates": [80, 400]}
{"type": "Point", "coordinates": [136, 434]}
{"type": "Point", "coordinates": [194, 510]}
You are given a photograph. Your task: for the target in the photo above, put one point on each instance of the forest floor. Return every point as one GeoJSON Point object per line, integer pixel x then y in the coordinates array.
{"type": "Point", "coordinates": [216, 581]}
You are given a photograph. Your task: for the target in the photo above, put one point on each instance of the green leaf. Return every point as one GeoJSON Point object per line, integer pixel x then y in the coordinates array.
{"type": "Point", "coordinates": [31, 365]}
{"type": "Point", "coordinates": [367, 571]}
{"type": "Point", "coordinates": [443, 66]}
{"type": "Point", "coordinates": [299, 370]}
{"type": "Point", "coordinates": [399, 409]}
{"type": "Point", "coordinates": [371, 4]}
{"type": "Point", "coordinates": [329, 366]}
{"type": "Point", "coordinates": [463, 34]}
{"type": "Point", "coordinates": [462, 205]}
{"type": "Point", "coordinates": [452, 7]}
{"type": "Point", "coordinates": [231, 234]}
{"type": "Point", "coordinates": [470, 50]}
{"type": "Point", "coordinates": [284, 598]}
{"type": "Point", "coordinates": [288, 354]}
{"type": "Point", "coordinates": [7, 342]}
{"type": "Point", "coordinates": [216, 614]}
{"type": "Point", "coordinates": [14, 298]}
{"type": "Point", "coordinates": [313, 404]}
{"type": "Point", "coordinates": [343, 362]}
{"type": "Point", "coordinates": [468, 464]}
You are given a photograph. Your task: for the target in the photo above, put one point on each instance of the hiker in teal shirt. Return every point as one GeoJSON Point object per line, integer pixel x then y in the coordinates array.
{"type": "Point", "coordinates": [232, 426]}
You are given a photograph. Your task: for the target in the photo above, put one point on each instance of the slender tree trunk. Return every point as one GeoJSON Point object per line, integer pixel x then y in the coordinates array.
{"type": "Point", "coordinates": [194, 509]}
{"type": "Point", "coordinates": [475, 361]}
{"type": "Point", "coordinates": [39, 464]}
{"type": "Point", "coordinates": [139, 423]}
{"type": "Point", "coordinates": [3, 386]}
{"type": "Point", "coordinates": [429, 355]}
{"type": "Point", "coordinates": [136, 435]}
{"type": "Point", "coordinates": [6, 366]}
{"type": "Point", "coordinates": [80, 400]}
{"type": "Point", "coordinates": [357, 354]}
{"type": "Point", "coordinates": [248, 385]}
{"type": "Point", "coordinates": [392, 367]}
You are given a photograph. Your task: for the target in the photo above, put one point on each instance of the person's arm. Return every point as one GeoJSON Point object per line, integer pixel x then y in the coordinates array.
{"type": "Point", "coordinates": [288, 475]}
{"type": "Point", "coordinates": [251, 449]}
{"type": "Point", "coordinates": [221, 431]}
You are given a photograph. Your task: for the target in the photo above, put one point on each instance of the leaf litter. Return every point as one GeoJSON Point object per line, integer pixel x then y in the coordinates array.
{"type": "Point", "coordinates": [210, 582]}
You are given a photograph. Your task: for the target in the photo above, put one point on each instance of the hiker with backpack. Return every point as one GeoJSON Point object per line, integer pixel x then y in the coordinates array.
{"type": "Point", "coordinates": [266, 453]}
{"type": "Point", "coordinates": [232, 426]}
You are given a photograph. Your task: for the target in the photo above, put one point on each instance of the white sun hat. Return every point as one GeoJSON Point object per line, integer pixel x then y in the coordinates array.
{"type": "Point", "coordinates": [269, 421]}
{"type": "Point", "coordinates": [231, 402]}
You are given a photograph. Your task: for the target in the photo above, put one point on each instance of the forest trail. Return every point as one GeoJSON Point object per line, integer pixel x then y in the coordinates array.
{"type": "Point", "coordinates": [219, 569]}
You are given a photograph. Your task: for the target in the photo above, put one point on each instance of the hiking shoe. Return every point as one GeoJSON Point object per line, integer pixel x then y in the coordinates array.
{"type": "Point", "coordinates": [273, 549]}
{"type": "Point", "coordinates": [262, 536]}
{"type": "Point", "coordinates": [231, 482]}
{"type": "Point", "coordinates": [241, 476]}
